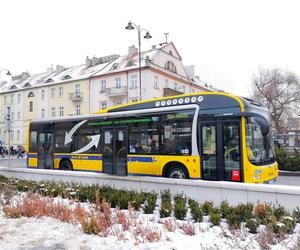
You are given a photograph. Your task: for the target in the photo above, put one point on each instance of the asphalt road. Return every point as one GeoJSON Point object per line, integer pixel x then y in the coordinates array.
{"type": "Point", "coordinates": [21, 163]}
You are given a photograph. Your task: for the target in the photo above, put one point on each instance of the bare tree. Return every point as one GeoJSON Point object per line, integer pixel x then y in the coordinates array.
{"type": "Point", "coordinates": [279, 90]}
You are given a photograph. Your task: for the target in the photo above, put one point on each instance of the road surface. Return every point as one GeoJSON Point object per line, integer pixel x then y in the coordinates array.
{"type": "Point", "coordinates": [283, 180]}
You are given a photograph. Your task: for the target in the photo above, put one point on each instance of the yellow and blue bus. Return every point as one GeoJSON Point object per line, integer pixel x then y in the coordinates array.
{"type": "Point", "coordinates": [205, 135]}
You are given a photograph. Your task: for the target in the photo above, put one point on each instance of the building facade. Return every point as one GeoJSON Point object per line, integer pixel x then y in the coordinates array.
{"type": "Point", "coordinates": [97, 84]}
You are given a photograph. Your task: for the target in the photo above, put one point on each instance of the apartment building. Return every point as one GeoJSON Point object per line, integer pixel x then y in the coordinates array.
{"type": "Point", "coordinates": [99, 83]}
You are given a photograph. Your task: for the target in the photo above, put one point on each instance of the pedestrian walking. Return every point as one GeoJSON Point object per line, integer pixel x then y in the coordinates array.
{"type": "Point", "coordinates": [20, 151]}
{"type": "Point", "coordinates": [1, 151]}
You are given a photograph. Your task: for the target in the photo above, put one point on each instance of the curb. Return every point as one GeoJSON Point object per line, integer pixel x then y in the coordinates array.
{"type": "Point", "coordinates": [288, 173]}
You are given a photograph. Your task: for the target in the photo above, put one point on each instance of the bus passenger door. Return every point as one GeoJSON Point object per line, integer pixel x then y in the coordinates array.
{"type": "Point", "coordinates": [45, 150]}
{"type": "Point", "coordinates": [115, 151]}
{"type": "Point", "coordinates": [221, 151]}
{"type": "Point", "coordinates": [209, 152]}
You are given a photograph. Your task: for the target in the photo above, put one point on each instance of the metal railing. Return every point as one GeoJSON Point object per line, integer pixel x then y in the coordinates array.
{"type": "Point", "coordinates": [116, 91]}
{"type": "Point", "coordinates": [76, 96]}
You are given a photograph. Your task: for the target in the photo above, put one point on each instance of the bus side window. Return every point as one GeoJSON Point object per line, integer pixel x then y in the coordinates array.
{"type": "Point", "coordinates": [144, 138]}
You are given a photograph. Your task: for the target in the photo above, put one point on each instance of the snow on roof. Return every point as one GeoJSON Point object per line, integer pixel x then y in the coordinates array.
{"type": "Point", "coordinates": [128, 62]}
{"type": "Point", "coordinates": [69, 74]}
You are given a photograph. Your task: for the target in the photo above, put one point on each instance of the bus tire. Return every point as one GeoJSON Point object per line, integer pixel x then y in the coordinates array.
{"type": "Point", "coordinates": [177, 172]}
{"type": "Point", "coordinates": [65, 164]}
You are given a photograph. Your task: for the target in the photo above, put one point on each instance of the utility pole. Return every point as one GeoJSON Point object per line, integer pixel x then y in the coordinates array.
{"type": "Point", "coordinates": [7, 120]}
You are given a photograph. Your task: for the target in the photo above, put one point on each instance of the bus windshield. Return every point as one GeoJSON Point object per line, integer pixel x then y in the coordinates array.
{"type": "Point", "coordinates": [259, 141]}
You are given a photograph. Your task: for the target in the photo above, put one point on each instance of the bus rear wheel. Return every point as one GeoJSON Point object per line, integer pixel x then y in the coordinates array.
{"type": "Point", "coordinates": [178, 172]}
{"type": "Point", "coordinates": [65, 165]}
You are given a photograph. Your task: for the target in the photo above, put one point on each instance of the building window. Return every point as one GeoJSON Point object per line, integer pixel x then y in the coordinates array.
{"type": "Point", "coordinates": [134, 81]}
{"type": "Point", "coordinates": [53, 93]}
{"type": "Point", "coordinates": [53, 112]}
{"type": "Point", "coordinates": [156, 82]}
{"type": "Point", "coordinates": [183, 89]}
{"type": "Point", "coordinates": [12, 116]}
{"type": "Point", "coordinates": [61, 91]}
{"type": "Point", "coordinates": [77, 109]}
{"type": "Point", "coordinates": [18, 116]}
{"type": "Point", "coordinates": [12, 99]}
{"type": "Point", "coordinates": [43, 95]}
{"type": "Point", "coordinates": [117, 102]}
{"type": "Point", "coordinates": [170, 66]}
{"type": "Point", "coordinates": [103, 86]}
{"type": "Point", "coordinates": [61, 111]}
{"type": "Point", "coordinates": [175, 85]}
{"type": "Point", "coordinates": [49, 80]}
{"type": "Point", "coordinates": [166, 83]}
{"type": "Point", "coordinates": [118, 82]}
{"type": "Point", "coordinates": [102, 105]}
{"type": "Point", "coordinates": [134, 99]}
{"type": "Point", "coordinates": [5, 100]}
{"type": "Point", "coordinates": [30, 106]}
{"type": "Point", "coordinates": [19, 98]}
{"type": "Point", "coordinates": [12, 135]}
{"type": "Point", "coordinates": [77, 90]}
{"type": "Point", "coordinates": [31, 94]}
{"type": "Point", "coordinates": [43, 113]}
{"type": "Point", "coordinates": [114, 66]}
{"type": "Point", "coordinates": [18, 135]}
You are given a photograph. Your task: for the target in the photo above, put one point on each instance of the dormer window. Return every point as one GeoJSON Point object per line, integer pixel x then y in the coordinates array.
{"type": "Point", "coordinates": [129, 64]}
{"type": "Point", "coordinates": [170, 66]}
{"type": "Point", "coordinates": [115, 66]}
{"type": "Point", "coordinates": [13, 87]}
{"type": "Point", "coordinates": [66, 77]}
{"type": "Point", "coordinates": [27, 84]}
{"type": "Point", "coordinates": [49, 80]}
{"type": "Point", "coordinates": [30, 94]}
{"type": "Point", "coordinates": [170, 52]}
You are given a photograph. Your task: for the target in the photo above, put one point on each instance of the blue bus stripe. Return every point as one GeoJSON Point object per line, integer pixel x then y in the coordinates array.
{"type": "Point", "coordinates": [140, 159]}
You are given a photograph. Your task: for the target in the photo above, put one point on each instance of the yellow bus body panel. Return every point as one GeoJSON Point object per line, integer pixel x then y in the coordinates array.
{"type": "Point", "coordinates": [154, 164]}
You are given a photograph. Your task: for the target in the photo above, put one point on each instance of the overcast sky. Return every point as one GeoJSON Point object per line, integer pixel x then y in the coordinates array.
{"type": "Point", "coordinates": [229, 39]}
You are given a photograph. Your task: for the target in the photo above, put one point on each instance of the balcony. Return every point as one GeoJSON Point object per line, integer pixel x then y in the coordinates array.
{"type": "Point", "coordinates": [171, 92]}
{"type": "Point", "coordinates": [76, 96]}
{"type": "Point", "coordinates": [112, 92]}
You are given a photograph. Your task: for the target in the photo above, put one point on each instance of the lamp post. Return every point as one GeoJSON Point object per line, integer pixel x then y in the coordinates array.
{"type": "Point", "coordinates": [132, 26]}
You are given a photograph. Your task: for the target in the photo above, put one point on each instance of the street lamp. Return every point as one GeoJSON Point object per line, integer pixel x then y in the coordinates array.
{"type": "Point", "coordinates": [132, 26]}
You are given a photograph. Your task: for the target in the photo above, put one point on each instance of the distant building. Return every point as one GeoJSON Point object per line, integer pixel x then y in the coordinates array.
{"type": "Point", "coordinates": [99, 83]}
{"type": "Point", "coordinates": [291, 139]}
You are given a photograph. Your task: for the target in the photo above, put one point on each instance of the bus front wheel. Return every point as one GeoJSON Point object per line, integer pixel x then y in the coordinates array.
{"type": "Point", "coordinates": [65, 165]}
{"type": "Point", "coordinates": [178, 172]}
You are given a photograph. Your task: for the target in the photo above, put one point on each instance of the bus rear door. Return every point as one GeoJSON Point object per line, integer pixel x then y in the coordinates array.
{"type": "Point", "coordinates": [45, 150]}
{"type": "Point", "coordinates": [115, 150]}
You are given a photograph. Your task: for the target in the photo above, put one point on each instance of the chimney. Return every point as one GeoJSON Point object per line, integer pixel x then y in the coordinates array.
{"type": "Point", "coordinates": [49, 70]}
{"type": "Point", "coordinates": [153, 47]}
{"type": "Point", "coordinates": [88, 62]}
{"type": "Point", "coordinates": [94, 60]}
{"type": "Point", "coordinates": [24, 75]}
{"type": "Point", "coordinates": [60, 68]}
{"type": "Point", "coordinates": [132, 50]}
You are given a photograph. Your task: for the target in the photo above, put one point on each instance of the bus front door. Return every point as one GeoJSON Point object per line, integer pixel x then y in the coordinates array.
{"type": "Point", "coordinates": [45, 150]}
{"type": "Point", "coordinates": [115, 151]}
{"type": "Point", "coordinates": [220, 151]}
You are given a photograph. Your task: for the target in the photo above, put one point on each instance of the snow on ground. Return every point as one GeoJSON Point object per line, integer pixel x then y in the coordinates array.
{"type": "Point", "coordinates": [48, 233]}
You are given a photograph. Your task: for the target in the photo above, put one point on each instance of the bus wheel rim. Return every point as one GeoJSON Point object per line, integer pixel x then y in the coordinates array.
{"type": "Point", "coordinates": [177, 174]}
